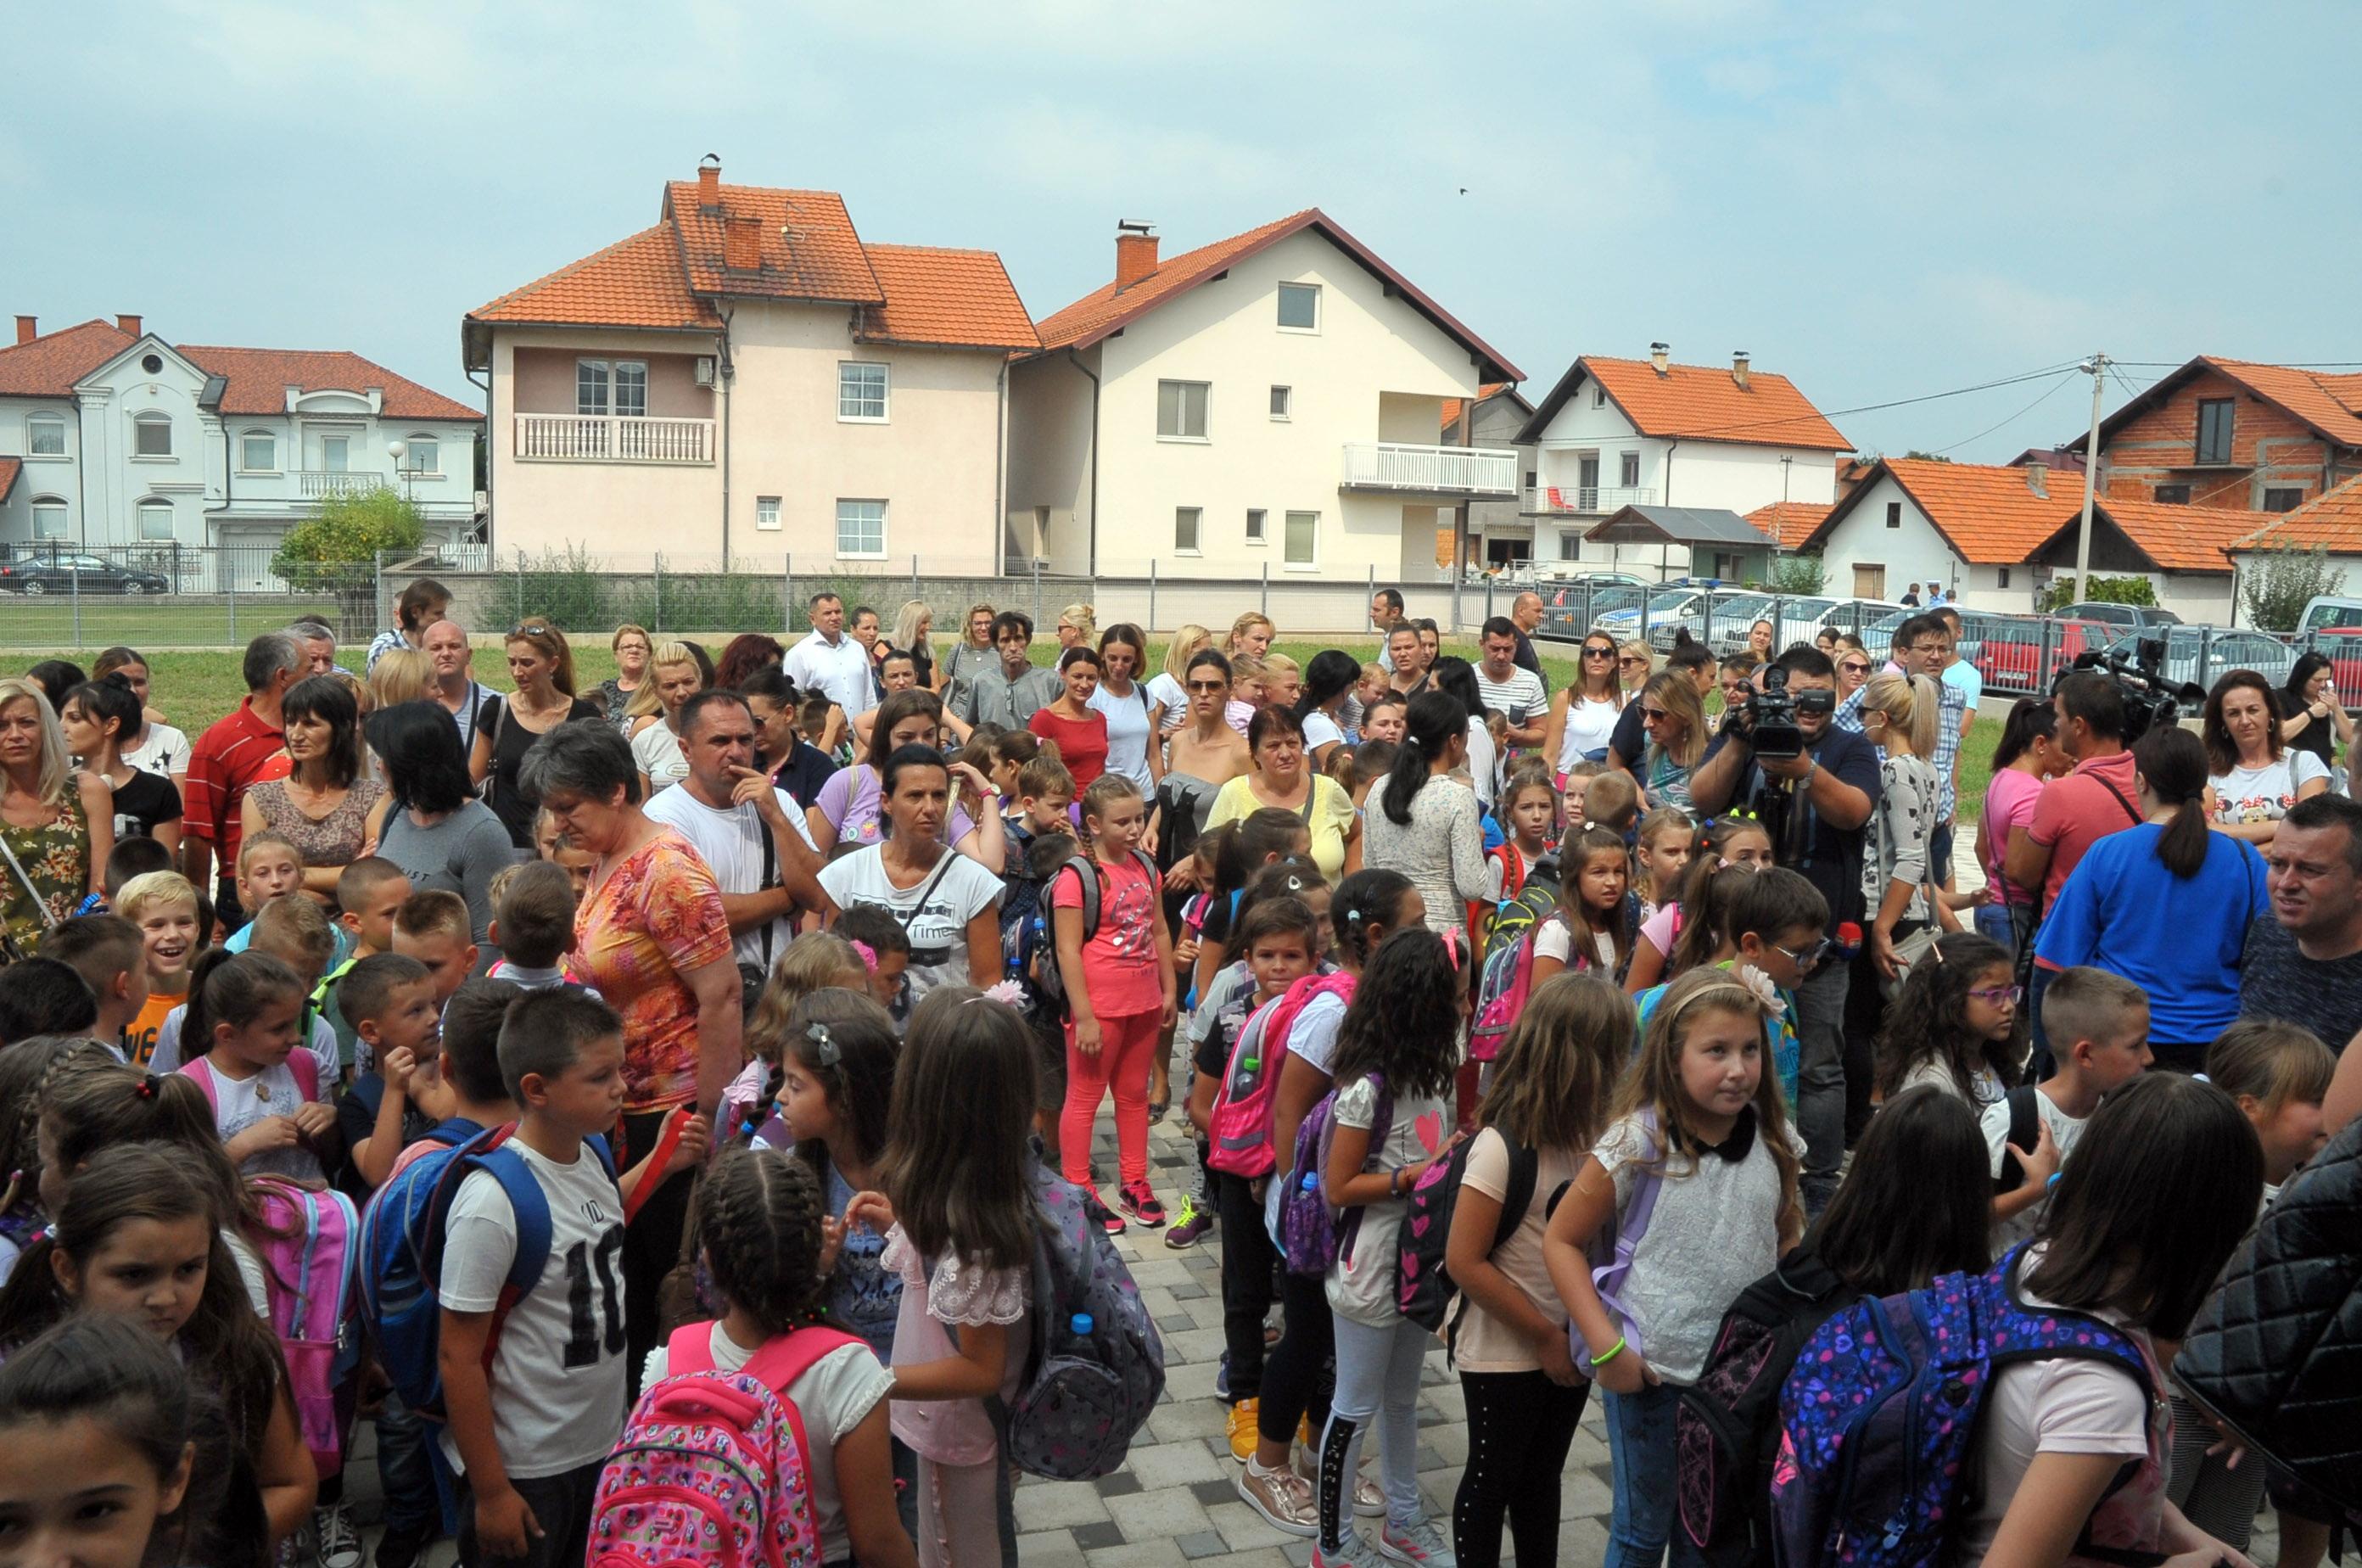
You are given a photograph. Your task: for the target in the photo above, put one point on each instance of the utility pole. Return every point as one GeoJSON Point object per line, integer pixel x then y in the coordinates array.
{"type": "Point", "coordinates": [2096, 367]}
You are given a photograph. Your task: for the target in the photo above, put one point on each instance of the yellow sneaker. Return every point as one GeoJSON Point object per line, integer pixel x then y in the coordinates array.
{"type": "Point", "coordinates": [1243, 1430]}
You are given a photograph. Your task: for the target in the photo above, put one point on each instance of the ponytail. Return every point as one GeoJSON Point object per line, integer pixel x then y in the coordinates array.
{"type": "Point", "coordinates": [1368, 900]}
{"type": "Point", "coordinates": [1433, 720]}
{"type": "Point", "coordinates": [2172, 764]}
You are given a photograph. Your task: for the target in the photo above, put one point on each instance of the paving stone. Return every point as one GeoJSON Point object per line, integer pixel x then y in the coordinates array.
{"type": "Point", "coordinates": [1212, 1493]}
{"type": "Point", "coordinates": [1049, 1549]}
{"type": "Point", "coordinates": [1180, 1465]}
{"type": "Point", "coordinates": [1048, 1504]}
{"type": "Point", "coordinates": [1192, 1291]}
{"type": "Point", "coordinates": [1194, 1343]}
{"type": "Point", "coordinates": [1204, 1313]}
{"type": "Point", "coordinates": [1174, 1323]}
{"type": "Point", "coordinates": [1168, 1512]}
{"type": "Point", "coordinates": [1124, 1482]}
{"type": "Point", "coordinates": [1204, 1544]}
{"type": "Point", "coordinates": [1105, 1533]}
{"type": "Point", "coordinates": [1136, 1554]}
{"type": "Point", "coordinates": [1244, 1528]}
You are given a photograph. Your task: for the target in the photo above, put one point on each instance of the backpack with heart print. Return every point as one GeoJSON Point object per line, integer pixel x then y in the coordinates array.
{"type": "Point", "coordinates": [1423, 1285]}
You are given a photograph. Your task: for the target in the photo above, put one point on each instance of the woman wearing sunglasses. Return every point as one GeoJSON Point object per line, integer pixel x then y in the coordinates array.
{"type": "Point", "coordinates": [1635, 662]}
{"type": "Point", "coordinates": [1853, 666]}
{"type": "Point", "coordinates": [1203, 754]}
{"type": "Point", "coordinates": [1674, 721]}
{"type": "Point", "coordinates": [541, 665]}
{"type": "Point", "coordinates": [1583, 717]}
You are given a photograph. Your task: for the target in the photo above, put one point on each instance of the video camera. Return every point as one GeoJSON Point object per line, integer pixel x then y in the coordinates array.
{"type": "Point", "coordinates": [1766, 720]}
{"type": "Point", "coordinates": [2149, 697]}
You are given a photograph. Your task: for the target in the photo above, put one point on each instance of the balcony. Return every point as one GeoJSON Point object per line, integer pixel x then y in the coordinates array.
{"type": "Point", "coordinates": [313, 484]}
{"type": "Point", "coordinates": [609, 438]}
{"type": "Point", "coordinates": [1481, 471]}
{"type": "Point", "coordinates": [1586, 501]}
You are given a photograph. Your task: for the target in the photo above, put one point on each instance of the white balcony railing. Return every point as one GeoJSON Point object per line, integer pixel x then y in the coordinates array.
{"type": "Point", "coordinates": [314, 483]}
{"type": "Point", "coordinates": [1586, 501]}
{"type": "Point", "coordinates": [609, 438]}
{"type": "Point", "coordinates": [1433, 471]}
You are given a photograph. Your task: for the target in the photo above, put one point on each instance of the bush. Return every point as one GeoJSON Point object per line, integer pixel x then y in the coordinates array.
{"type": "Point", "coordinates": [336, 549]}
{"type": "Point", "coordinates": [2278, 585]}
{"type": "Point", "coordinates": [1798, 575]}
{"type": "Point", "coordinates": [565, 585]}
{"type": "Point", "coordinates": [2103, 591]}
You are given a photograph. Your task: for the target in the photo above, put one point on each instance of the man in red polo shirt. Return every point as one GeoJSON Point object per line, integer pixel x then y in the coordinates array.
{"type": "Point", "coordinates": [229, 759]}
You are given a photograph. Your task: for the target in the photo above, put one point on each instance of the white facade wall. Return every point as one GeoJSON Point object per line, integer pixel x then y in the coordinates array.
{"type": "Point", "coordinates": [1912, 552]}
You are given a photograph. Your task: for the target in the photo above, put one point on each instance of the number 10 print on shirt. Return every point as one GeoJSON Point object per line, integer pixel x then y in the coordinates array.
{"type": "Point", "coordinates": [587, 1340]}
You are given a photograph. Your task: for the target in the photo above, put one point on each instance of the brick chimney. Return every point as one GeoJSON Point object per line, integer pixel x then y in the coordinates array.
{"type": "Point", "coordinates": [127, 324]}
{"type": "Point", "coordinates": [1660, 354]}
{"type": "Point", "coordinates": [28, 328]}
{"type": "Point", "coordinates": [709, 184]}
{"type": "Point", "coordinates": [742, 242]}
{"type": "Point", "coordinates": [1135, 254]}
{"type": "Point", "coordinates": [2037, 480]}
{"type": "Point", "coordinates": [1738, 367]}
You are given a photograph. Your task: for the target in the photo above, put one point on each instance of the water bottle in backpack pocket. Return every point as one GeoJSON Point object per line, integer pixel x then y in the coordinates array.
{"type": "Point", "coordinates": [1240, 1125]}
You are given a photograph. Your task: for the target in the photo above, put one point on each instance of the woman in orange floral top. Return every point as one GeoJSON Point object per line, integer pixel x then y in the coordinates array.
{"type": "Point", "coordinates": [650, 937]}
{"type": "Point", "coordinates": [57, 823]}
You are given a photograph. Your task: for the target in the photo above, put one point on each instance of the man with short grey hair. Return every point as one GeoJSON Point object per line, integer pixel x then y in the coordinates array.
{"type": "Point", "coordinates": [318, 644]}
{"type": "Point", "coordinates": [229, 759]}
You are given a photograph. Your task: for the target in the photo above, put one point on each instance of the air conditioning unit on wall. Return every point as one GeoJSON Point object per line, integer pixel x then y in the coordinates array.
{"type": "Point", "coordinates": [705, 370]}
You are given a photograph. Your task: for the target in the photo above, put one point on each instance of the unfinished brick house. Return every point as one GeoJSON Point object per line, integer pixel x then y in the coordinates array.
{"type": "Point", "coordinates": [2233, 435]}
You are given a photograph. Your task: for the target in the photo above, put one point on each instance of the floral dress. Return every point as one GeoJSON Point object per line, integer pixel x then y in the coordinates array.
{"type": "Point", "coordinates": [657, 916]}
{"type": "Point", "coordinates": [335, 839]}
{"type": "Point", "coordinates": [55, 858]}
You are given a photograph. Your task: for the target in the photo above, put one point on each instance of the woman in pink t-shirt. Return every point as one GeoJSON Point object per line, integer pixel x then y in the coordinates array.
{"type": "Point", "coordinates": [1118, 981]}
{"type": "Point", "coordinates": [2028, 755]}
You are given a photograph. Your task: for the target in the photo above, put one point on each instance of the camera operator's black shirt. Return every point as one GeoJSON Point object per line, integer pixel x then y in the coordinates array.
{"type": "Point", "coordinates": [1831, 860]}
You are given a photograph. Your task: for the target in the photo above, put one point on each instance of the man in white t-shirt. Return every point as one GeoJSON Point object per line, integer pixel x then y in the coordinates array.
{"type": "Point", "coordinates": [1385, 614]}
{"type": "Point", "coordinates": [1508, 690]}
{"type": "Point", "coordinates": [731, 814]}
{"type": "Point", "coordinates": [830, 661]}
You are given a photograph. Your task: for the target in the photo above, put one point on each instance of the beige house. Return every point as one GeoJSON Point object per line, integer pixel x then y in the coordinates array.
{"type": "Point", "coordinates": [1271, 400]}
{"type": "Point", "coordinates": [750, 378]}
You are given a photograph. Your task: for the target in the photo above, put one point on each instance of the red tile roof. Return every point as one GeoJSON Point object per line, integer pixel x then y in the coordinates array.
{"type": "Point", "coordinates": [2179, 538]}
{"type": "Point", "coordinates": [636, 281]}
{"type": "Point", "coordinates": [1788, 522]}
{"type": "Point", "coordinates": [1704, 401]}
{"type": "Point", "coordinates": [959, 297]}
{"type": "Point", "coordinates": [809, 249]}
{"type": "Point", "coordinates": [50, 364]}
{"type": "Point", "coordinates": [259, 380]}
{"type": "Point", "coordinates": [1105, 310]}
{"type": "Point", "coordinates": [1455, 406]}
{"type": "Point", "coordinates": [9, 468]}
{"type": "Point", "coordinates": [2331, 523]}
{"type": "Point", "coordinates": [2330, 403]}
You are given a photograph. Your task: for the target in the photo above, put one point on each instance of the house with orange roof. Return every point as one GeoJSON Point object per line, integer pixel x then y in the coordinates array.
{"type": "Point", "coordinates": [2330, 524]}
{"type": "Point", "coordinates": [2234, 433]}
{"type": "Point", "coordinates": [748, 379]}
{"type": "Point", "coordinates": [195, 460]}
{"type": "Point", "coordinates": [1500, 534]}
{"type": "Point", "coordinates": [1992, 536]}
{"type": "Point", "coordinates": [1271, 402]}
{"type": "Point", "coordinates": [1615, 433]}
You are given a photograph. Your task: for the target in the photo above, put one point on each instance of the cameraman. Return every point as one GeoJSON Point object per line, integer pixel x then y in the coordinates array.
{"type": "Point", "coordinates": [1816, 806]}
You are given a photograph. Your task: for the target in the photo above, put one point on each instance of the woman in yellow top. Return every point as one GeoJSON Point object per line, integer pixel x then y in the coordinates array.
{"type": "Point", "coordinates": [1284, 778]}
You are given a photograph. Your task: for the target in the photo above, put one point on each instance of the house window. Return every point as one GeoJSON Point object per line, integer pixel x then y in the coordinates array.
{"type": "Point", "coordinates": [45, 436]}
{"type": "Point", "coordinates": [2173, 494]}
{"type": "Point", "coordinates": [155, 519]}
{"type": "Point", "coordinates": [1184, 530]}
{"type": "Point", "coordinates": [1254, 526]}
{"type": "Point", "coordinates": [617, 386]}
{"type": "Point", "coordinates": [1181, 410]}
{"type": "Point", "coordinates": [592, 379]}
{"type": "Point", "coordinates": [335, 453]}
{"type": "Point", "coordinates": [766, 513]}
{"type": "Point", "coordinates": [861, 528]}
{"type": "Point", "coordinates": [1629, 471]}
{"type": "Point", "coordinates": [1299, 307]}
{"type": "Point", "coordinates": [861, 391]}
{"type": "Point", "coordinates": [1895, 515]}
{"type": "Point", "coordinates": [1570, 547]}
{"type": "Point", "coordinates": [1279, 403]}
{"type": "Point", "coordinates": [632, 389]}
{"type": "Point", "coordinates": [48, 517]}
{"type": "Point", "coordinates": [2282, 498]}
{"type": "Point", "coordinates": [2215, 430]}
{"type": "Point", "coordinates": [151, 436]}
{"type": "Point", "coordinates": [425, 455]}
{"type": "Point", "coordinates": [258, 452]}
{"type": "Point", "coordinates": [1302, 546]}
{"type": "Point", "coordinates": [2003, 575]}
{"type": "Point", "coordinates": [1598, 396]}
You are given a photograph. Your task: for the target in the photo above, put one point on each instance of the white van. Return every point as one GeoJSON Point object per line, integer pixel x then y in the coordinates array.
{"type": "Point", "coordinates": [2326, 613]}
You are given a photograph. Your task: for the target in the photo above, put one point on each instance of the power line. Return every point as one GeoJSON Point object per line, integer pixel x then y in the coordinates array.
{"type": "Point", "coordinates": [2051, 392]}
{"type": "Point", "coordinates": [1897, 402]}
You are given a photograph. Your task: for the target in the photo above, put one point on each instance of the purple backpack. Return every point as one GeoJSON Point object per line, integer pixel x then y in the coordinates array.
{"type": "Point", "coordinates": [1879, 1421]}
{"type": "Point", "coordinates": [1311, 1233]}
{"type": "Point", "coordinates": [1610, 1250]}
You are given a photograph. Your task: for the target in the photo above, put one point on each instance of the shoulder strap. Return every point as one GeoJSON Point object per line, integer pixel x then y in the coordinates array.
{"type": "Point", "coordinates": [690, 1349]}
{"type": "Point", "coordinates": [306, 1067]}
{"type": "Point", "coordinates": [943, 869]}
{"type": "Point", "coordinates": [770, 872]}
{"type": "Point", "coordinates": [2130, 809]}
{"type": "Point", "coordinates": [2025, 1126]}
{"type": "Point", "coordinates": [200, 1069]}
{"type": "Point", "coordinates": [1086, 878]}
{"type": "Point", "coordinates": [789, 1357]}
{"type": "Point", "coordinates": [527, 1202]}
{"type": "Point", "coordinates": [1525, 1166]}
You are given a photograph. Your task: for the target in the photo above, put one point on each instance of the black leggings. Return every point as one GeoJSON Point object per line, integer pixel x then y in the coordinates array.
{"type": "Point", "coordinates": [1298, 1375]}
{"type": "Point", "coordinates": [1520, 1425]}
{"type": "Point", "coordinates": [1247, 1261]}
{"type": "Point", "coordinates": [651, 1242]}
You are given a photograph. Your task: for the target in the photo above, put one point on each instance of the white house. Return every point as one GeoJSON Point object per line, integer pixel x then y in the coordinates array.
{"type": "Point", "coordinates": [1499, 532]}
{"type": "Point", "coordinates": [126, 440]}
{"type": "Point", "coordinates": [1617, 433]}
{"type": "Point", "coordinates": [1271, 400]}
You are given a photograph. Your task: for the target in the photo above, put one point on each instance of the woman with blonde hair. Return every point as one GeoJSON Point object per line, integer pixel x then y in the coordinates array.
{"type": "Point", "coordinates": [401, 675]}
{"type": "Point", "coordinates": [542, 665]}
{"type": "Point", "coordinates": [912, 624]}
{"type": "Point", "coordinates": [1168, 703]}
{"type": "Point", "coordinates": [674, 676]}
{"type": "Point", "coordinates": [1898, 878]}
{"type": "Point", "coordinates": [57, 823]}
{"type": "Point", "coordinates": [1635, 662]}
{"type": "Point", "coordinates": [1675, 722]}
{"type": "Point", "coordinates": [1079, 627]}
{"type": "Point", "coordinates": [1250, 633]}
{"type": "Point", "coordinates": [631, 645]}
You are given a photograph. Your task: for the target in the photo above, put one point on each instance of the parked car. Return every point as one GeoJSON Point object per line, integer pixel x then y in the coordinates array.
{"type": "Point", "coordinates": [2327, 612]}
{"type": "Point", "coordinates": [65, 572]}
{"type": "Point", "coordinates": [1665, 612]}
{"type": "Point", "coordinates": [2204, 655]}
{"type": "Point", "coordinates": [2118, 614]}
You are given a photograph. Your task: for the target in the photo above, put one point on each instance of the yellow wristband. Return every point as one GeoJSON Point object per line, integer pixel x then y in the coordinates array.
{"type": "Point", "coordinates": [1613, 1351]}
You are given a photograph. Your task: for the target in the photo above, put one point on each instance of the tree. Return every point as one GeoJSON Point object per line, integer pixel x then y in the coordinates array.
{"type": "Point", "coordinates": [2282, 581]}
{"type": "Point", "coordinates": [1927, 457]}
{"type": "Point", "coordinates": [336, 549]}
{"type": "Point", "coordinates": [2102, 590]}
{"type": "Point", "coordinates": [1793, 576]}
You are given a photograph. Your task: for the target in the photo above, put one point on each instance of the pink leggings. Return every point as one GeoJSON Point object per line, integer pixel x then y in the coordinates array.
{"type": "Point", "coordinates": [1127, 1044]}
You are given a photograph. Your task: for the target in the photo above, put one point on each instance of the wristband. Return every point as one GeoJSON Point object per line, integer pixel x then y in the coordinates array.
{"type": "Point", "coordinates": [2054, 1179]}
{"type": "Point", "coordinates": [1394, 1181]}
{"type": "Point", "coordinates": [1613, 1351]}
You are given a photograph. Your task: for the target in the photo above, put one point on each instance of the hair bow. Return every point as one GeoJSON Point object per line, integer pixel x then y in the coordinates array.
{"type": "Point", "coordinates": [1009, 993]}
{"type": "Point", "coordinates": [825, 1048]}
{"type": "Point", "coordinates": [867, 954]}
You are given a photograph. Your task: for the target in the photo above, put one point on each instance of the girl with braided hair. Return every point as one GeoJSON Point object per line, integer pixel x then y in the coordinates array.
{"type": "Point", "coordinates": [767, 1241]}
{"type": "Point", "coordinates": [25, 1070]}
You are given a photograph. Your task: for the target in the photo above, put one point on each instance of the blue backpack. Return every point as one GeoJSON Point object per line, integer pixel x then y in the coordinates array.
{"type": "Point", "coordinates": [1879, 1422]}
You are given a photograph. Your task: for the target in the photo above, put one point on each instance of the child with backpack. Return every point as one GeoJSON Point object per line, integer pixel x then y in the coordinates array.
{"type": "Point", "coordinates": [1547, 1105]}
{"type": "Point", "coordinates": [1912, 1207]}
{"type": "Point", "coordinates": [1697, 1175]}
{"type": "Point", "coordinates": [1660, 851]}
{"type": "Point", "coordinates": [1368, 907]}
{"type": "Point", "coordinates": [242, 1028]}
{"type": "Point", "coordinates": [2098, 1027]}
{"type": "Point", "coordinates": [812, 963]}
{"type": "Point", "coordinates": [1773, 919]}
{"type": "Point", "coordinates": [835, 1085]}
{"type": "Point", "coordinates": [1387, 1121]}
{"type": "Point", "coordinates": [1119, 992]}
{"type": "Point", "coordinates": [1956, 1024]}
{"type": "Point", "coordinates": [1242, 849]}
{"type": "Point", "coordinates": [763, 1217]}
{"type": "Point", "coordinates": [1277, 936]}
{"type": "Point", "coordinates": [389, 1001]}
{"type": "Point", "coordinates": [1726, 840]}
{"type": "Point", "coordinates": [1593, 926]}
{"type": "Point", "coordinates": [131, 1217]}
{"type": "Point", "coordinates": [1528, 810]}
{"type": "Point", "coordinates": [889, 949]}
{"type": "Point", "coordinates": [26, 1068]}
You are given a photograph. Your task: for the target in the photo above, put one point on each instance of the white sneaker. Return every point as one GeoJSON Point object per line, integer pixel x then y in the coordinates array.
{"type": "Point", "coordinates": [1422, 1543]}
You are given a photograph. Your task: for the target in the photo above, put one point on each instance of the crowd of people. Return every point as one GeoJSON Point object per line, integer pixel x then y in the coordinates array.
{"type": "Point", "coordinates": [712, 1021]}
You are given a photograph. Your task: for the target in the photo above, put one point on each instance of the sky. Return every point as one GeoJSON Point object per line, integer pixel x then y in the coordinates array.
{"type": "Point", "coordinates": [1882, 201]}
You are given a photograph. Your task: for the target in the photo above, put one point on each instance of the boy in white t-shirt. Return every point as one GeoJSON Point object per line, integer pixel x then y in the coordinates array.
{"type": "Point", "coordinates": [2098, 1025]}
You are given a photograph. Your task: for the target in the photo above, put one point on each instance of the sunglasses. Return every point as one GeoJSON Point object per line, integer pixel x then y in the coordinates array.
{"type": "Point", "coordinates": [1639, 662]}
{"type": "Point", "coordinates": [1207, 685]}
{"type": "Point", "coordinates": [1647, 714]}
{"type": "Point", "coordinates": [1810, 957]}
{"type": "Point", "coordinates": [1599, 653]}
{"type": "Point", "coordinates": [1851, 668]}
{"type": "Point", "coordinates": [2001, 995]}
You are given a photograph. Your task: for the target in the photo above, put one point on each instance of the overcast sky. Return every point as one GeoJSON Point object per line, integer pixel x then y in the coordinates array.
{"type": "Point", "coordinates": [1869, 198]}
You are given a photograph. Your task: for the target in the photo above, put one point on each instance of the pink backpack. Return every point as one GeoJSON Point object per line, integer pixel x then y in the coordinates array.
{"type": "Point", "coordinates": [711, 1467]}
{"type": "Point", "coordinates": [310, 1256]}
{"type": "Point", "coordinates": [300, 1063]}
{"type": "Point", "coordinates": [1240, 1126]}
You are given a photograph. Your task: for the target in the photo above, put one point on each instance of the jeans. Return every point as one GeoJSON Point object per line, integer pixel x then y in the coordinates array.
{"type": "Point", "coordinates": [1377, 1380]}
{"type": "Point", "coordinates": [1939, 855]}
{"type": "Point", "coordinates": [1821, 1081]}
{"type": "Point", "coordinates": [1247, 1261]}
{"type": "Point", "coordinates": [404, 1473]}
{"type": "Point", "coordinates": [1641, 1442]}
{"type": "Point", "coordinates": [1520, 1425]}
{"type": "Point", "coordinates": [1997, 922]}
